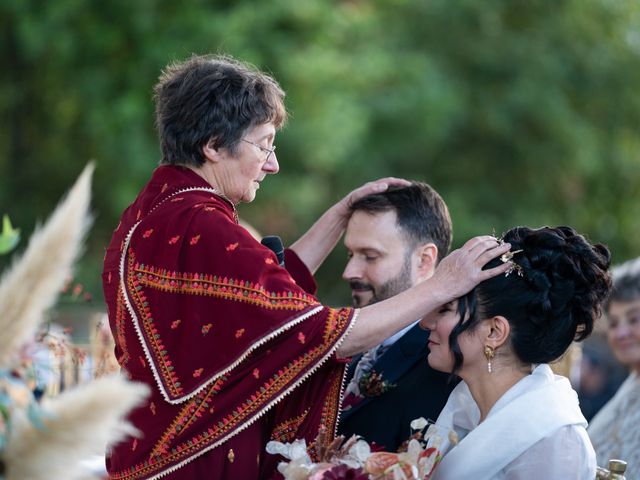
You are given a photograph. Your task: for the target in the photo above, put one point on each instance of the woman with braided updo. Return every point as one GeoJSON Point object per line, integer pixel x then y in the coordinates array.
{"type": "Point", "coordinates": [513, 417]}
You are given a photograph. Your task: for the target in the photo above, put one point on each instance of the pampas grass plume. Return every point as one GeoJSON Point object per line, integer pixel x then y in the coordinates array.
{"type": "Point", "coordinates": [32, 285]}
{"type": "Point", "coordinates": [77, 424]}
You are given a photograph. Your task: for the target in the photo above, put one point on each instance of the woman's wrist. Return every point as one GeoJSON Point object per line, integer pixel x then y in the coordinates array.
{"type": "Point", "coordinates": [340, 213]}
{"type": "Point", "coordinates": [436, 292]}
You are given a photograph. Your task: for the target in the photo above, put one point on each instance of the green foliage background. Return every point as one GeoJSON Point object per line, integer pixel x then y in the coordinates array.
{"type": "Point", "coordinates": [518, 112]}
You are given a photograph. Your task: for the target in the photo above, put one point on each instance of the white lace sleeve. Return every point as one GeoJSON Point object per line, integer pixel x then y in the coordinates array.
{"type": "Point", "coordinates": [565, 455]}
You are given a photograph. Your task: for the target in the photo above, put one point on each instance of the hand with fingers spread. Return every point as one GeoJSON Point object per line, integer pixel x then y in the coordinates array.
{"type": "Point", "coordinates": [462, 269]}
{"type": "Point", "coordinates": [375, 186]}
{"type": "Point", "coordinates": [314, 246]}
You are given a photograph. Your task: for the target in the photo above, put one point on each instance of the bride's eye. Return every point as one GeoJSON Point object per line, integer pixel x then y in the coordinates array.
{"type": "Point", "coordinates": [446, 309]}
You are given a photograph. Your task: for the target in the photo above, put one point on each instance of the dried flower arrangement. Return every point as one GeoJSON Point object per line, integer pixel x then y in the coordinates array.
{"type": "Point", "coordinates": [353, 458]}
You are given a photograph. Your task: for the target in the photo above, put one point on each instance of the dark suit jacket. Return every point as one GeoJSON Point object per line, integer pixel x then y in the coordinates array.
{"type": "Point", "coordinates": [420, 391]}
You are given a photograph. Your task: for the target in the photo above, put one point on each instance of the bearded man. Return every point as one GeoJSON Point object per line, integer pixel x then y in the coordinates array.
{"type": "Point", "coordinates": [395, 240]}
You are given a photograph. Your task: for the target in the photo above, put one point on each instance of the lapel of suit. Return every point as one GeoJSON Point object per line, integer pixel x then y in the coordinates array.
{"type": "Point", "coordinates": [399, 358]}
{"type": "Point", "coordinates": [403, 354]}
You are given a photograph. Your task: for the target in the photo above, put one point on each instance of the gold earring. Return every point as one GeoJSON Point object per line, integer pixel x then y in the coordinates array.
{"type": "Point", "coordinates": [489, 352]}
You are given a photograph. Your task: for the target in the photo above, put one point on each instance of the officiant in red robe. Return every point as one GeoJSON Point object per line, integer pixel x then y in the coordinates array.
{"type": "Point", "coordinates": [236, 348]}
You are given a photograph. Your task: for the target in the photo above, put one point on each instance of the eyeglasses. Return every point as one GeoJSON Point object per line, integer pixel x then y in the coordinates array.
{"type": "Point", "coordinates": [268, 151]}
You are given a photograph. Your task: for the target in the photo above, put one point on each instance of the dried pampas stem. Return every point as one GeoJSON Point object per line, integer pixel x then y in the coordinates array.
{"type": "Point", "coordinates": [77, 424]}
{"type": "Point", "coordinates": [32, 285]}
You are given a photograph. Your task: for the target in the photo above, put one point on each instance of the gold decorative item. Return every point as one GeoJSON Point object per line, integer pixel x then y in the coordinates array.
{"type": "Point", "coordinates": [616, 471]}
{"type": "Point", "coordinates": [489, 353]}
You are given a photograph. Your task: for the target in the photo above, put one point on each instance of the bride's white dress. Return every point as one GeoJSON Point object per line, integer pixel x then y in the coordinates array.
{"type": "Point", "coordinates": [535, 431]}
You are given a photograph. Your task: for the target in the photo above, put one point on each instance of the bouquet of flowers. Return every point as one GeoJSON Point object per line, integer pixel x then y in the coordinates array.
{"type": "Point", "coordinates": [354, 458]}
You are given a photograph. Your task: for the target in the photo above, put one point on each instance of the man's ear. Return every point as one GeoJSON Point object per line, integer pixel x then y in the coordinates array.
{"type": "Point", "coordinates": [427, 260]}
{"type": "Point", "coordinates": [210, 152]}
{"type": "Point", "coordinates": [499, 331]}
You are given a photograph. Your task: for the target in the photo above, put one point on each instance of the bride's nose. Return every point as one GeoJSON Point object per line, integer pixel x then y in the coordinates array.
{"type": "Point", "coordinates": [427, 322]}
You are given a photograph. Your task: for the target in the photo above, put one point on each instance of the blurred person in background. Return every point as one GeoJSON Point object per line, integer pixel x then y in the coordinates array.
{"type": "Point", "coordinates": [615, 430]}
{"type": "Point", "coordinates": [600, 374]}
{"type": "Point", "coordinates": [394, 241]}
{"type": "Point", "coordinates": [235, 347]}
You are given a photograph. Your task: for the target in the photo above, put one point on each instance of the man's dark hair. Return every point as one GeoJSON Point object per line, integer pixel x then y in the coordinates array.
{"type": "Point", "coordinates": [422, 215]}
{"type": "Point", "coordinates": [212, 98]}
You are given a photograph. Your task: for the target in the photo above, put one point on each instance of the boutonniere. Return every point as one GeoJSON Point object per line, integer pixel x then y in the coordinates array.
{"type": "Point", "coordinates": [372, 384]}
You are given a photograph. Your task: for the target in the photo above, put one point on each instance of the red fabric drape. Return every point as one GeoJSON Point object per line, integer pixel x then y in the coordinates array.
{"type": "Point", "coordinates": [226, 338]}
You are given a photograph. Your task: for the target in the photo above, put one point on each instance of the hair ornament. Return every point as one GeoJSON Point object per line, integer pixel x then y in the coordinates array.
{"type": "Point", "coordinates": [508, 257]}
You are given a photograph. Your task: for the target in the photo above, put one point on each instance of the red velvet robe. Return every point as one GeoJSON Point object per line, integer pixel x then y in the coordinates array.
{"type": "Point", "coordinates": [236, 349]}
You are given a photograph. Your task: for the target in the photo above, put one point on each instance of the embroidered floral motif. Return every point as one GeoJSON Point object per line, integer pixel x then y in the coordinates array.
{"type": "Point", "coordinates": [335, 323]}
{"type": "Point", "coordinates": [194, 240]}
{"type": "Point", "coordinates": [198, 372]}
{"type": "Point", "coordinates": [256, 373]}
{"type": "Point", "coordinates": [192, 410]}
{"type": "Point", "coordinates": [231, 247]}
{"type": "Point", "coordinates": [271, 388]}
{"type": "Point", "coordinates": [147, 233]}
{"type": "Point", "coordinates": [287, 430]}
{"type": "Point", "coordinates": [174, 240]}
{"type": "Point", "coordinates": [269, 261]}
{"type": "Point", "coordinates": [301, 337]}
{"type": "Point", "coordinates": [222, 287]}
{"type": "Point", "coordinates": [239, 332]}
{"type": "Point", "coordinates": [164, 363]}
{"type": "Point", "coordinates": [330, 407]}
{"type": "Point", "coordinates": [121, 321]}
{"type": "Point", "coordinates": [152, 407]}
{"type": "Point", "coordinates": [330, 410]}
{"type": "Point", "coordinates": [206, 328]}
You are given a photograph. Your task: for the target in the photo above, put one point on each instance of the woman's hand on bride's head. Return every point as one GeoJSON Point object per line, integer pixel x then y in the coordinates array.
{"type": "Point", "coordinates": [461, 270]}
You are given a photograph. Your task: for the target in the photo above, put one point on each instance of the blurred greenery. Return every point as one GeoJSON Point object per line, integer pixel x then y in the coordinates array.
{"type": "Point", "coordinates": [518, 112]}
{"type": "Point", "coordinates": [9, 236]}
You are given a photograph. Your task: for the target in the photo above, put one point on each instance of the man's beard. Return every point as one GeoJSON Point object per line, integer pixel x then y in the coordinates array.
{"type": "Point", "coordinates": [394, 286]}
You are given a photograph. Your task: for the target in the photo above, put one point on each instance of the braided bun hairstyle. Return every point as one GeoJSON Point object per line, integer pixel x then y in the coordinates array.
{"type": "Point", "coordinates": [555, 301]}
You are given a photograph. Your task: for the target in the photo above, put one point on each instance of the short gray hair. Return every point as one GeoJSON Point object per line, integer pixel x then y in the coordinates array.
{"type": "Point", "coordinates": [626, 282]}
